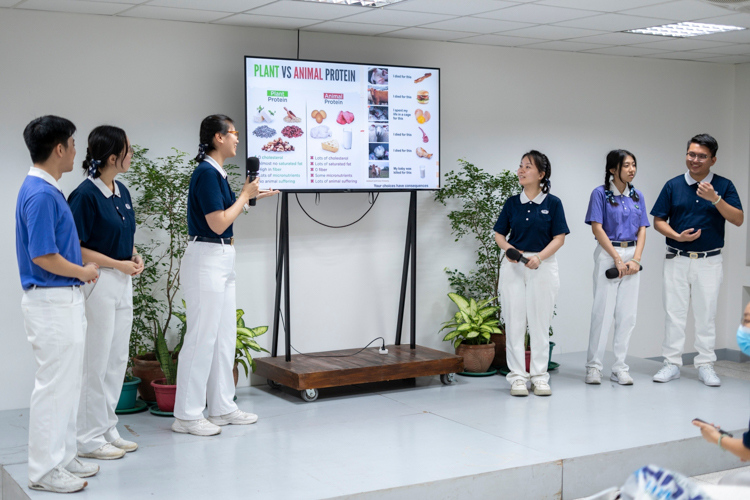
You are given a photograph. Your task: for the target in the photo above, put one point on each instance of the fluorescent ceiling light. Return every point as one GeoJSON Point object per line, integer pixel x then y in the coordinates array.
{"type": "Point", "coordinates": [682, 30]}
{"type": "Point", "coordinates": [365, 3]}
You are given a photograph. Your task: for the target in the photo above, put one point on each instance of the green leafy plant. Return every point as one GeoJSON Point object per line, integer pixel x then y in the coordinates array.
{"type": "Point", "coordinates": [160, 203]}
{"type": "Point", "coordinates": [168, 360]}
{"type": "Point", "coordinates": [246, 342]}
{"type": "Point", "coordinates": [481, 196]}
{"type": "Point", "coordinates": [473, 323]}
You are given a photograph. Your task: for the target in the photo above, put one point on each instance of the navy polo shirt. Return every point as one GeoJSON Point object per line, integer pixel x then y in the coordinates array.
{"type": "Point", "coordinates": [680, 205]}
{"type": "Point", "coordinates": [105, 220]}
{"type": "Point", "coordinates": [44, 225]}
{"type": "Point", "coordinates": [209, 192]}
{"type": "Point", "coordinates": [531, 223]}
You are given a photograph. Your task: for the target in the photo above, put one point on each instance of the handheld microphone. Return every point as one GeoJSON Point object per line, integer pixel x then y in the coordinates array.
{"type": "Point", "coordinates": [516, 255]}
{"type": "Point", "coordinates": [252, 167]}
{"type": "Point", "coordinates": [614, 273]}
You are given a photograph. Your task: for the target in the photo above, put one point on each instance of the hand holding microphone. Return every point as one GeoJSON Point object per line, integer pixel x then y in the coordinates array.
{"type": "Point", "coordinates": [252, 167]}
{"type": "Point", "coordinates": [615, 273]}
{"type": "Point", "coordinates": [515, 255]}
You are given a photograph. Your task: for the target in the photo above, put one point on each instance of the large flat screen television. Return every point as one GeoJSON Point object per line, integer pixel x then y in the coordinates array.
{"type": "Point", "coordinates": [331, 126]}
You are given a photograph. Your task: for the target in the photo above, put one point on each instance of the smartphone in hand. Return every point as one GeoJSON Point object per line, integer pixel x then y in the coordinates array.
{"type": "Point", "coordinates": [721, 431]}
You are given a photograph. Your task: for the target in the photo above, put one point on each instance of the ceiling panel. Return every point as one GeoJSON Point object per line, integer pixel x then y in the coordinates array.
{"type": "Point", "coordinates": [600, 5]}
{"type": "Point", "coordinates": [396, 17]}
{"type": "Point", "coordinates": [729, 37]}
{"type": "Point", "coordinates": [453, 7]}
{"type": "Point", "coordinates": [618, 38]}
{"type": "Point", "coordinates": [284, 23]}
{"type": "Point", "coordinates": [233, 6]}
{"type": "Point", "coordinates": [350, 28]}
{"type": "Point", "coordinates": [500, 40]}
{"type": "Point", "coordinates": [427, 34]}
{"type": "Point", "coordinates": [729, 50]}
{"type": "Point", "coordinates": [169, 14]}
{"type": "Point", "coordinates": [692, 43]}
{"type": "Point", "coordinates": [565, 46]}
{"type": "Point", "coordinates": [310, 10]}
{"type": "Point", "coordinates": [681, 10]}
{"type": "Point", "coordinates": [76, 6]}
{"type": "Point", "coordinates": [729, 59]}
{"type": "Point", "coordinates": [477, 25]}
{"type": "Point", "coordinates": [685, 56]}
{"type": "Point", "coordinates": [548, 32]}
{"type": "Point", "coordinates": [614, 22]}
{"type": "Point", "coordinates": [625, 51]}
{"type": "Point", "coordinates": [738, 19]}
{"type": "Point", "coordinates": [534, 13]}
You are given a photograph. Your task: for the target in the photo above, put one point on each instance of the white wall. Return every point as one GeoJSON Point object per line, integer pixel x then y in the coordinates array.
{"type": "Point", "coordinates": [159, 79]}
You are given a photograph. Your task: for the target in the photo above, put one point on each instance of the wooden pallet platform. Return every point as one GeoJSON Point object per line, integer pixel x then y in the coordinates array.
{"type": "Point", "coordinates": [310, 372]}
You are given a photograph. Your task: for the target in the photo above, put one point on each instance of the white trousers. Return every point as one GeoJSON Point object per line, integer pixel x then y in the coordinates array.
{"type": "Point", "coordinates": [56, 327]}
{"type": "Point", "coordinates": [204, 372]}
{"type": "Point", "coordinates": [693, 282]}
{"type": "Point", "coordinates": [528, 299]}
{"type": "Point", "coordinates": [615, 301]}
{"type": "Point", "coordinates": [109, 314]}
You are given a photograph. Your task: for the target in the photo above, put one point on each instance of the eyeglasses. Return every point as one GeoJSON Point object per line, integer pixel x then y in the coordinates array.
{"type": "Point", "coordinates": [694, 156]}
{"type": "Point", "coordinates": [235, 133]}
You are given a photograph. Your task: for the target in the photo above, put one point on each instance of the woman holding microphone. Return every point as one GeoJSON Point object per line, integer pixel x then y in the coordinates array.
{"type": "Point", "coordinates": [536, 222]}
{"type": "Point", "coordinates": [618, 218]}
{"type": "Point", "coordinates": [208, 279]}
{"type": "Point", "coordinates": [104, 217]}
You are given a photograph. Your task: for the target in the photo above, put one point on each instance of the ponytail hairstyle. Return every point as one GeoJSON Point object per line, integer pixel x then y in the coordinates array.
{"type": "Point", "coordinates": [615, 159]}
{"type": "Point", "coordinates": [210, 126]}
{"type": "Point", "coordinates": [104, 141]}
{"type": "Point", "coordinates": [542, 164]}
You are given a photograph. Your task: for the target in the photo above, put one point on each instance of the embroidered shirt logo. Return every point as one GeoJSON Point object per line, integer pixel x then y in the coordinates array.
{"type": "Point", "coordinates": [127, 206]}
{"type": "Point", "coordinates": [545, 211]}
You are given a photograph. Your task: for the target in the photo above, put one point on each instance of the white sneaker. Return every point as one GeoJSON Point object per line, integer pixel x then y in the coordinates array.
{"type": "Point", "coordinates": [593, 376]}
{"type": "Point", "coordinates": [82, 469]}
{"type": "Point", "coordinates": [237, 417]}
{"type": "Point", "coordinates": [668, 372]}
{"type": "Point", "coordinates": [622, 378]}
{"type": "Point", "coordinates": [518, 388]}
{"type": "Point", "coordinates": [124, 444]}
{"type": "Point", "coordinates": [106, 452]}
{"type": "Point", "coordinates": [707, 375]}
{"type": "Point", "coordinates": [58, 480]}
{"type": "Point", "coordinates": [200, 427]}
{"type": "Point", "coordinates": [541, 388]}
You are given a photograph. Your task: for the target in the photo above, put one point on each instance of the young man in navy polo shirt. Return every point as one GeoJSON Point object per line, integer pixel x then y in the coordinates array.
{"type": "Point", "coordinates": [690, 212]}
{"type": "Point", "coordinates": [49, 261]}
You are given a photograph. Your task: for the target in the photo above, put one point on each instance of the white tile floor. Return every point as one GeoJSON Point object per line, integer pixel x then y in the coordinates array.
{"type": "Point", "coordinates": [424, 440]}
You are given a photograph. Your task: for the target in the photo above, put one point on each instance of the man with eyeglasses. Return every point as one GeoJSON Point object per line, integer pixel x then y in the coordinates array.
{"type": "Point", "coordinates": [690, 212]}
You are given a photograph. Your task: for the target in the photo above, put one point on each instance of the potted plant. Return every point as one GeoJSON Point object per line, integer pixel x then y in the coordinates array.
{"type": "Point", "coordinates": [245, 343]}
{"type": "Point", "coordinates": [160, 201]}
{"type": "Point", "coordinates": [129, 393]}
{"type": "Point", "coordinates": [482, 196]}
{"type": "Point", "coordinates": [472, 326]}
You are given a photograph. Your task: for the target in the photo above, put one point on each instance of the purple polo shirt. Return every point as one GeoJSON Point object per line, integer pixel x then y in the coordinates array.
{"type": "Point", "coordinates": [621, 222]}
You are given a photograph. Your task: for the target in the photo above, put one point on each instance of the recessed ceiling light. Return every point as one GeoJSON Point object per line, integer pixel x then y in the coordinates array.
{"type": "Point", "coordinates": [682, 30]}
{"type": "Point", "coordinates": [364, 3]}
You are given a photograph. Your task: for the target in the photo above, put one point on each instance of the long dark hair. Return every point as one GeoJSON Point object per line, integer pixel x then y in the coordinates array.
{"type": "Point", "coordinates": [209, 127]}
{"type": "Point", "coordinates": [104, 141]}
{"type": "Point", "coordinates": [615, 160]}
{"type": "Point", "coordinates": [542, 164]}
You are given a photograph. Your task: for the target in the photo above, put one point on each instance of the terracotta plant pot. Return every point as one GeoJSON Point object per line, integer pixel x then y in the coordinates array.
{"type": "Point", "coordinates": [147, 368]}
{"type": "Point", "coordinates": [165, 394]}
{"type": "Point", "coordinates": [500, 360]}
{"type": "Point", "coordinates": [235, 374]}
{"type": "Point", "coordinates": [477, 358]}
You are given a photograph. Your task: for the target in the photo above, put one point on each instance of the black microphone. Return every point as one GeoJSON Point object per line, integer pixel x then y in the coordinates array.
{"type": "Point", "coordinates": [614, 273]}
{"type": "Point", "coordinates": [514, 254]}
{"type": "Point", "coordinates": [252, 167]}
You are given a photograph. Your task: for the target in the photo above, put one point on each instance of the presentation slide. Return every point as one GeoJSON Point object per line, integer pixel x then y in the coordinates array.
{"type": "Point", "coordinates": [321, 126]}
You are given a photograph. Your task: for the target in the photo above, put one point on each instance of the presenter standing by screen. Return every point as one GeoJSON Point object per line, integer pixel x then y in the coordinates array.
{"type": "Point", "coordinates": [52, 272]}
{"type": "Point", "coordinates": [536, 222]}
{"type": "Point", "coordinates": [207, 274]}
{"type": "Point", "coordinates": [618, 218]}
{"type": "Point", "coordinates": [691, 211]}
{"type": "Point", "coordinates": [103, 212]}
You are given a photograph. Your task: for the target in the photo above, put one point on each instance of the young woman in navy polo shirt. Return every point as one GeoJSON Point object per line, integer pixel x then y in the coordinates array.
{"type": "Point", "coordinates": [208, 283]}
{"type": "Point", "coordinates": [618, 218]}
{"type": "Point", "coordinates": [103, 212]}
{"type": "Point", "coordinates": [536, 222]}
{"type": "Point", "coordinates": [691, 212]}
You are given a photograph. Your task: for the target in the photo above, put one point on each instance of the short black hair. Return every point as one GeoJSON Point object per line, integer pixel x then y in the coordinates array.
{"type": "Point", "coordinates": [43, 134]}
{"type": "Point", "coordinates": [707, 141]}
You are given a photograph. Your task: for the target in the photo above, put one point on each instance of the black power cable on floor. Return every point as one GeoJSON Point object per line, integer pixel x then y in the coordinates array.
{"type": "Point", "coordinates": [339, 355]}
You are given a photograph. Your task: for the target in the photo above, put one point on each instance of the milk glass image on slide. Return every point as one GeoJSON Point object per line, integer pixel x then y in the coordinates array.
{"type": "Point", "coordinates": [326, 126]}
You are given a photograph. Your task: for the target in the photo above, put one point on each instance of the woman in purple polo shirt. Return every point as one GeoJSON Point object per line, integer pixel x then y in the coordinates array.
{"type": "Point", "coordinates": [618, 218]}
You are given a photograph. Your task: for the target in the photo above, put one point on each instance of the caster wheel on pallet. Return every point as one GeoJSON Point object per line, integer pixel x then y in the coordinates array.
{"type": "Point", "coordinates": [309, 395]}
{"type": "Point", "coordinates": [272, 384]}
{"type": "Point", "coordinates": [448, 378]}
